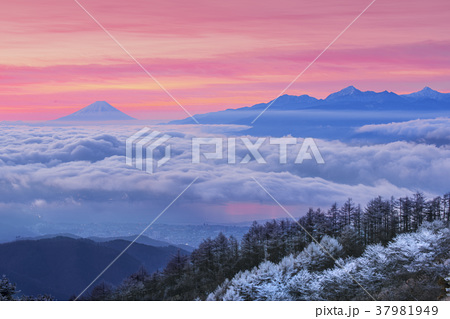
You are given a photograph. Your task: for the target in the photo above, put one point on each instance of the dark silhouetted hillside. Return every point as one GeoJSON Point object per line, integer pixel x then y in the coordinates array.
{"type": "Point", "coordinates": [63, 266]}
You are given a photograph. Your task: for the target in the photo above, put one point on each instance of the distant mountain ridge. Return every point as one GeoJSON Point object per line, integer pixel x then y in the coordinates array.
{"type": "Point", "coordinates": [97, 111]}
{"type": "Point", "coordinates": [334, 117]}
{"type": "Point", "coordinates": [349, 98]}
{"type": "Point", "coordinates": [63, 266]}
{"type": "Point", "coordinates": [140, 240]}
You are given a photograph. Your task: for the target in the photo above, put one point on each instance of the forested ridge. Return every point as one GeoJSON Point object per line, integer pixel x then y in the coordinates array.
{"type": "Point", "coordinates": [398, 248]}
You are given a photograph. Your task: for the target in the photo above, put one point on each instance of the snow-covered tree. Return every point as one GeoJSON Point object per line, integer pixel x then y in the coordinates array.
{"type": "Point", "coordinates": [317, 257]}
{"type": "Point", "coordinates": [304, 286]}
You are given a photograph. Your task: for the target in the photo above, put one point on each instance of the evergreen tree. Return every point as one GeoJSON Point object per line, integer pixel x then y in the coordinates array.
{"type": "Point", "coordinates": [333, 218]}
{"type": "Point", "coordinates": [7, 289]}
{"type": "Point", "coordinates": [351, 241]}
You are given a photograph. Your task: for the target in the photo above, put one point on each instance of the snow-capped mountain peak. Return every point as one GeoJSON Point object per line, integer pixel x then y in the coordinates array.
{"type": "Point", "coordinates": [97, 111]}
{"type": "Point", "coordinates": [348, 91]}
{"type": "Point", "coordinates": [428, 93]}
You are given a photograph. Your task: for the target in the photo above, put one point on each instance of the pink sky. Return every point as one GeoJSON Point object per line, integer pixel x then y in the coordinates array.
{"type": "Point", "coordinates": [212, 55]}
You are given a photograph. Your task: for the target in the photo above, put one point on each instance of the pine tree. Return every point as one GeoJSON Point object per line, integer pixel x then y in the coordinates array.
{"type": "Point", "coordinates": [333, 217]}
{"type": "Point", "coordinates": [347, 212]}
{"type": "Point", "coordinates": [418, 210]}
{"type": "Point", "coordinates": [405, 213]}
{"type": "Point", "coordinates": [7, 289]}
{"type": "Point", "coordinates": [351, 241]}
{"type": "Point", "coordinates": [102, 291]}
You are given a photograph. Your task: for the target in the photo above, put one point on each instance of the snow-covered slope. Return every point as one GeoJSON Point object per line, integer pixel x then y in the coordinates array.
{"type": "Point", "coordinates": [382, 272]}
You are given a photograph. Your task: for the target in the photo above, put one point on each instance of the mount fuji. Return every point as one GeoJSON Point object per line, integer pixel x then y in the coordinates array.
{"type": "Point", "coordinates": [98, 111]}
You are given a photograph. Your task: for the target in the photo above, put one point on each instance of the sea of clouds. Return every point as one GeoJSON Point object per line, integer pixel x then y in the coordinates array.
{"type": "Point", "coordinates": [78, 173]}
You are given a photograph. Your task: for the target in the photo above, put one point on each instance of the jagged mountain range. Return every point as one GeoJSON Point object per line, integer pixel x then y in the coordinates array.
{"type": "Point", "coordinates": [333, 117]}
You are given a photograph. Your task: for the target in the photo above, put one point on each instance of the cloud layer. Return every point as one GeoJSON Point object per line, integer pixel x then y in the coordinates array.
{"type": "Point", "coordinates": [427, 131]}
{"type": "Point", "coordinates": [76, 173]}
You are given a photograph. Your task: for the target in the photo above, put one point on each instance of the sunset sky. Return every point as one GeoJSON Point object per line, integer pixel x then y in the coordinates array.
{"type": "Point", "coordinates": [212, 55]}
